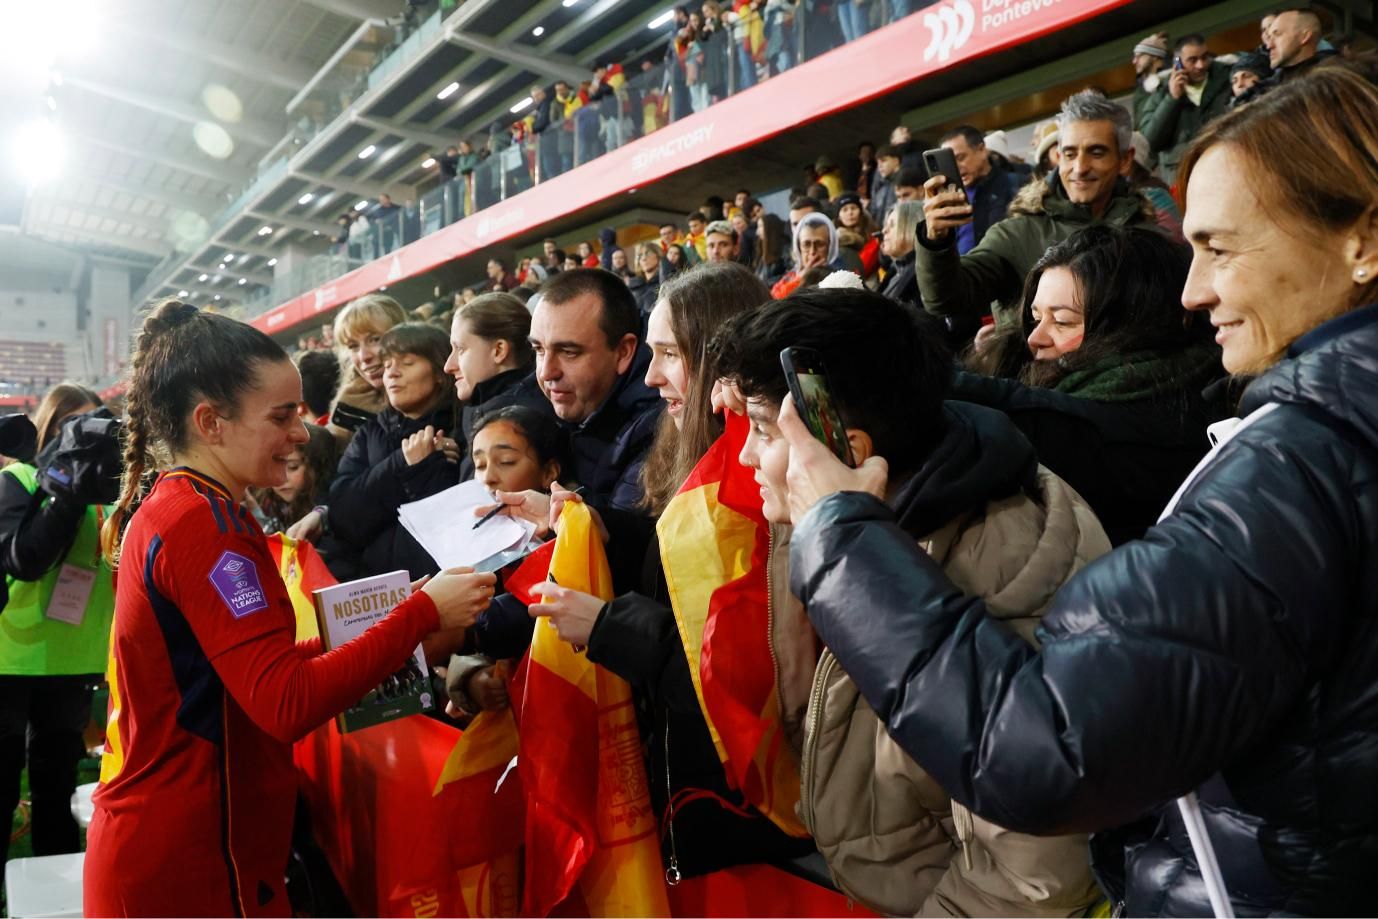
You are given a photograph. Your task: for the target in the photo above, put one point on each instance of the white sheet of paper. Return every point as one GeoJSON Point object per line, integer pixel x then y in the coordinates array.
{"type": "Point", "coordinates": [444, 526]}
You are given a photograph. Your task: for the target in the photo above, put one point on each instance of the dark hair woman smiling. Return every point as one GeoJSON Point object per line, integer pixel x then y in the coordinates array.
{"type": "Point", "coordinates": [208, 688]}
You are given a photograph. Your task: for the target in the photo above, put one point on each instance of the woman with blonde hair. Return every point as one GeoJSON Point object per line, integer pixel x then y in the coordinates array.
{"type": "Point", "coordinates": [898, 241]}
{"type": "Point", "coordinates": [359, 329]}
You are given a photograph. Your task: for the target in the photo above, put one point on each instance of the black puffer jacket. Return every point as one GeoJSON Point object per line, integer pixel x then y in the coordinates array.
{"type": "Point", "coordinates": [1233, 650]}
{"type": "Point", "coordinates": [490, 395]}
{"type": "Point", "coordinates": [373, 480]}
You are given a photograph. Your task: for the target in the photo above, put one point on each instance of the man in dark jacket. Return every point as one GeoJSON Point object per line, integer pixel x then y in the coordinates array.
{"type": "Point", "coordinates": [1196, 91]}
{"type": "Point", "coordinates": [1294, 44]}
{"type": "Point", "coordinates": [1088, 188]}
{"type": "Point", "coordinates": [989, 188]}
{"type": "Point", "coordinates": [590, 370]}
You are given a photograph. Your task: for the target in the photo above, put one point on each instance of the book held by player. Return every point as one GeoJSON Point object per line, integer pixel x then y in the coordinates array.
{"type": "Point", "coordinates": [345, 611]}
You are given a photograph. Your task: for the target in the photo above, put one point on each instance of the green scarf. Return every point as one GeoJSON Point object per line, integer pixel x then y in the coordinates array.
{"type": "Point", "coordinates": [1143, 375]}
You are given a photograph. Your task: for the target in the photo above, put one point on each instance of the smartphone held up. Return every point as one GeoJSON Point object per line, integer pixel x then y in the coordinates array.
{"type": "Point", "coordinates": [808, 385]}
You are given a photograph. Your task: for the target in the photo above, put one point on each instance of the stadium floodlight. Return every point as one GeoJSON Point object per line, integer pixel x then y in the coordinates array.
{"type": "Point", "coordinates": [448, 91]}
{"type": "Point", "coordinates": [202, 278]}
{"type": "Point", "coordinates": [368, 151]}
{"type": "Point", "coordinates": [428, 162]}
{"type": "Point", "coordinates": [538, 31]}
{"type": "Point", "coordinates": [661, 19]}
{"type": "Point", "coordinates": [306, 198]}
{"type": "Point", "coordinates": [521, 105]}
{"type": "Point", "coordinates": [38, 151]}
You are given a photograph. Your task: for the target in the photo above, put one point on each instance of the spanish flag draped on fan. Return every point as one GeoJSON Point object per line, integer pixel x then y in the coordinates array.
{"type": "Point", "coordinates": [589, 820]}
{"type": "Point", "coordinates": [714, 547]}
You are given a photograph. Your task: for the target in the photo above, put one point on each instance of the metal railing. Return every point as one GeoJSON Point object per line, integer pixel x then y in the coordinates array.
{"type": "Point", "coordinates": [694, 72]}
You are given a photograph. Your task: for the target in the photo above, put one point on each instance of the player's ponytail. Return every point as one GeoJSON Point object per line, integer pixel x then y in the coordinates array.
{"type": "Point", "coordinates": [181, 356]}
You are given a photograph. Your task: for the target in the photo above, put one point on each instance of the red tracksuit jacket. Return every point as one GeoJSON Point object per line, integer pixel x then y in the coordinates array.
{"type": "Point", "coordinates": [208, 691]}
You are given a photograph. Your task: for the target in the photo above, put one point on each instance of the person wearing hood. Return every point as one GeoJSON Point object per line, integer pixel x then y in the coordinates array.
{"type": "Point", "coordinates": [1088, 188]}
{"type": "Point", "coordinates": [1106, 371]}
{"type": "Point", "coordinates": [1233, 652]}
{"type": "Point", "coordinates": [607, 238]}
{"type": "Point", "coordinates": [815, 245]}
{"type": "Point", "coordinates": [965, 486]}
{"type": "Point", "coordinates": [590, 369]}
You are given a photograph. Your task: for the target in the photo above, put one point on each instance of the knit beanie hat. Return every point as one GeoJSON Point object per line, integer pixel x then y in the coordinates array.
{"type": "Point", "coordinates": [1155, 45]}
{"type": "Point", "coordinates": [1255, 63]}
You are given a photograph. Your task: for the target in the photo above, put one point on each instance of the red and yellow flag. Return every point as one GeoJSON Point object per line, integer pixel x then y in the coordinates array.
{"type": "Point", "coordinates": [479, 796]}
{"type": "Point", "coordinates": [303, 571]}
{"type": "Point", "coordinates": [714, 547]}
{"type": "Point", "coordinates": [590, 827]}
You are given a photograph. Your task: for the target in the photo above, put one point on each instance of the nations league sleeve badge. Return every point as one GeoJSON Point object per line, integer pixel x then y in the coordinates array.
{"type": "Point", "coordinates": [236, 580]}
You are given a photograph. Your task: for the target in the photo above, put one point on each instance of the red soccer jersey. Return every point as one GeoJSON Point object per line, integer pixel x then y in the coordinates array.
{"type": "Point", "coordinates": [207, 693]}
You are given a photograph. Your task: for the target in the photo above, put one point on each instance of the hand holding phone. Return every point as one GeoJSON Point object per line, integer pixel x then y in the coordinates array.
{"type": "Point", "coordinates": [942, 161]}
{"type": "Point", "coordinates": [808, 384]}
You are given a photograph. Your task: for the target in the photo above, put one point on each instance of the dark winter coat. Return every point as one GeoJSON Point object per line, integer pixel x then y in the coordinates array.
{"type": "Point", "coordinates": [883, 196]}
{"type": "Point", "coordinates": [35, 534]}
{"type": "Point", "coordinates": [645, 293]}
{"type": "Point", "coordinates": [902, 284]}
{"type": "Point", "coordinates": [1123, 440]}
{"type": "Point", "coordinates": [1234, 650]}
{"type": "Point", "coordinates": [992, 199]}
{"type": "Point", "coordinates": [372, 481]}
{"type": "Point", "coordinates": [1172, 124]}
{"type": "Point", "coordinates": [490, 395]}
{"type": "Point", "coordinates": [610, 446]}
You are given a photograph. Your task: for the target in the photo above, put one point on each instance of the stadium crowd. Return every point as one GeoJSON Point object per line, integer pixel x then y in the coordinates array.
{"type": "Point", "coordinates": [1099, 536]}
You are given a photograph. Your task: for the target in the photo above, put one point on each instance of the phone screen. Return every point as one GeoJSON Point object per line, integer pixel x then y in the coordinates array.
{"type": "Point", "coordinates": [808, 383]}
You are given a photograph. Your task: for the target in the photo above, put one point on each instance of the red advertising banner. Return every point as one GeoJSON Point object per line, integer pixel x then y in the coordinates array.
{"type": "Point", "coordinates": [942, 36]}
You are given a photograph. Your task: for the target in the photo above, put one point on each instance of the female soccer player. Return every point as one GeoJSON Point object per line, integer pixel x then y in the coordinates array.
{"type": "Point", "coordinates": [208, 690]}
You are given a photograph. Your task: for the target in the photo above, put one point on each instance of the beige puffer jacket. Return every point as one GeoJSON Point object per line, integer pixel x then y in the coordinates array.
{"type": "Point", "coordinates": [891, 836]}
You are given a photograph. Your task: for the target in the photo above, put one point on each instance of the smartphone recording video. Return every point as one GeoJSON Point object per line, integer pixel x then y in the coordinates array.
{"type": "Point", "coordinates": [808, 384]}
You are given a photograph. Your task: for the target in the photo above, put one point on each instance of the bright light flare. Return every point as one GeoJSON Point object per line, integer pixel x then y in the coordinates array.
{"type": "Point", "coordinates": [38, 151]}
